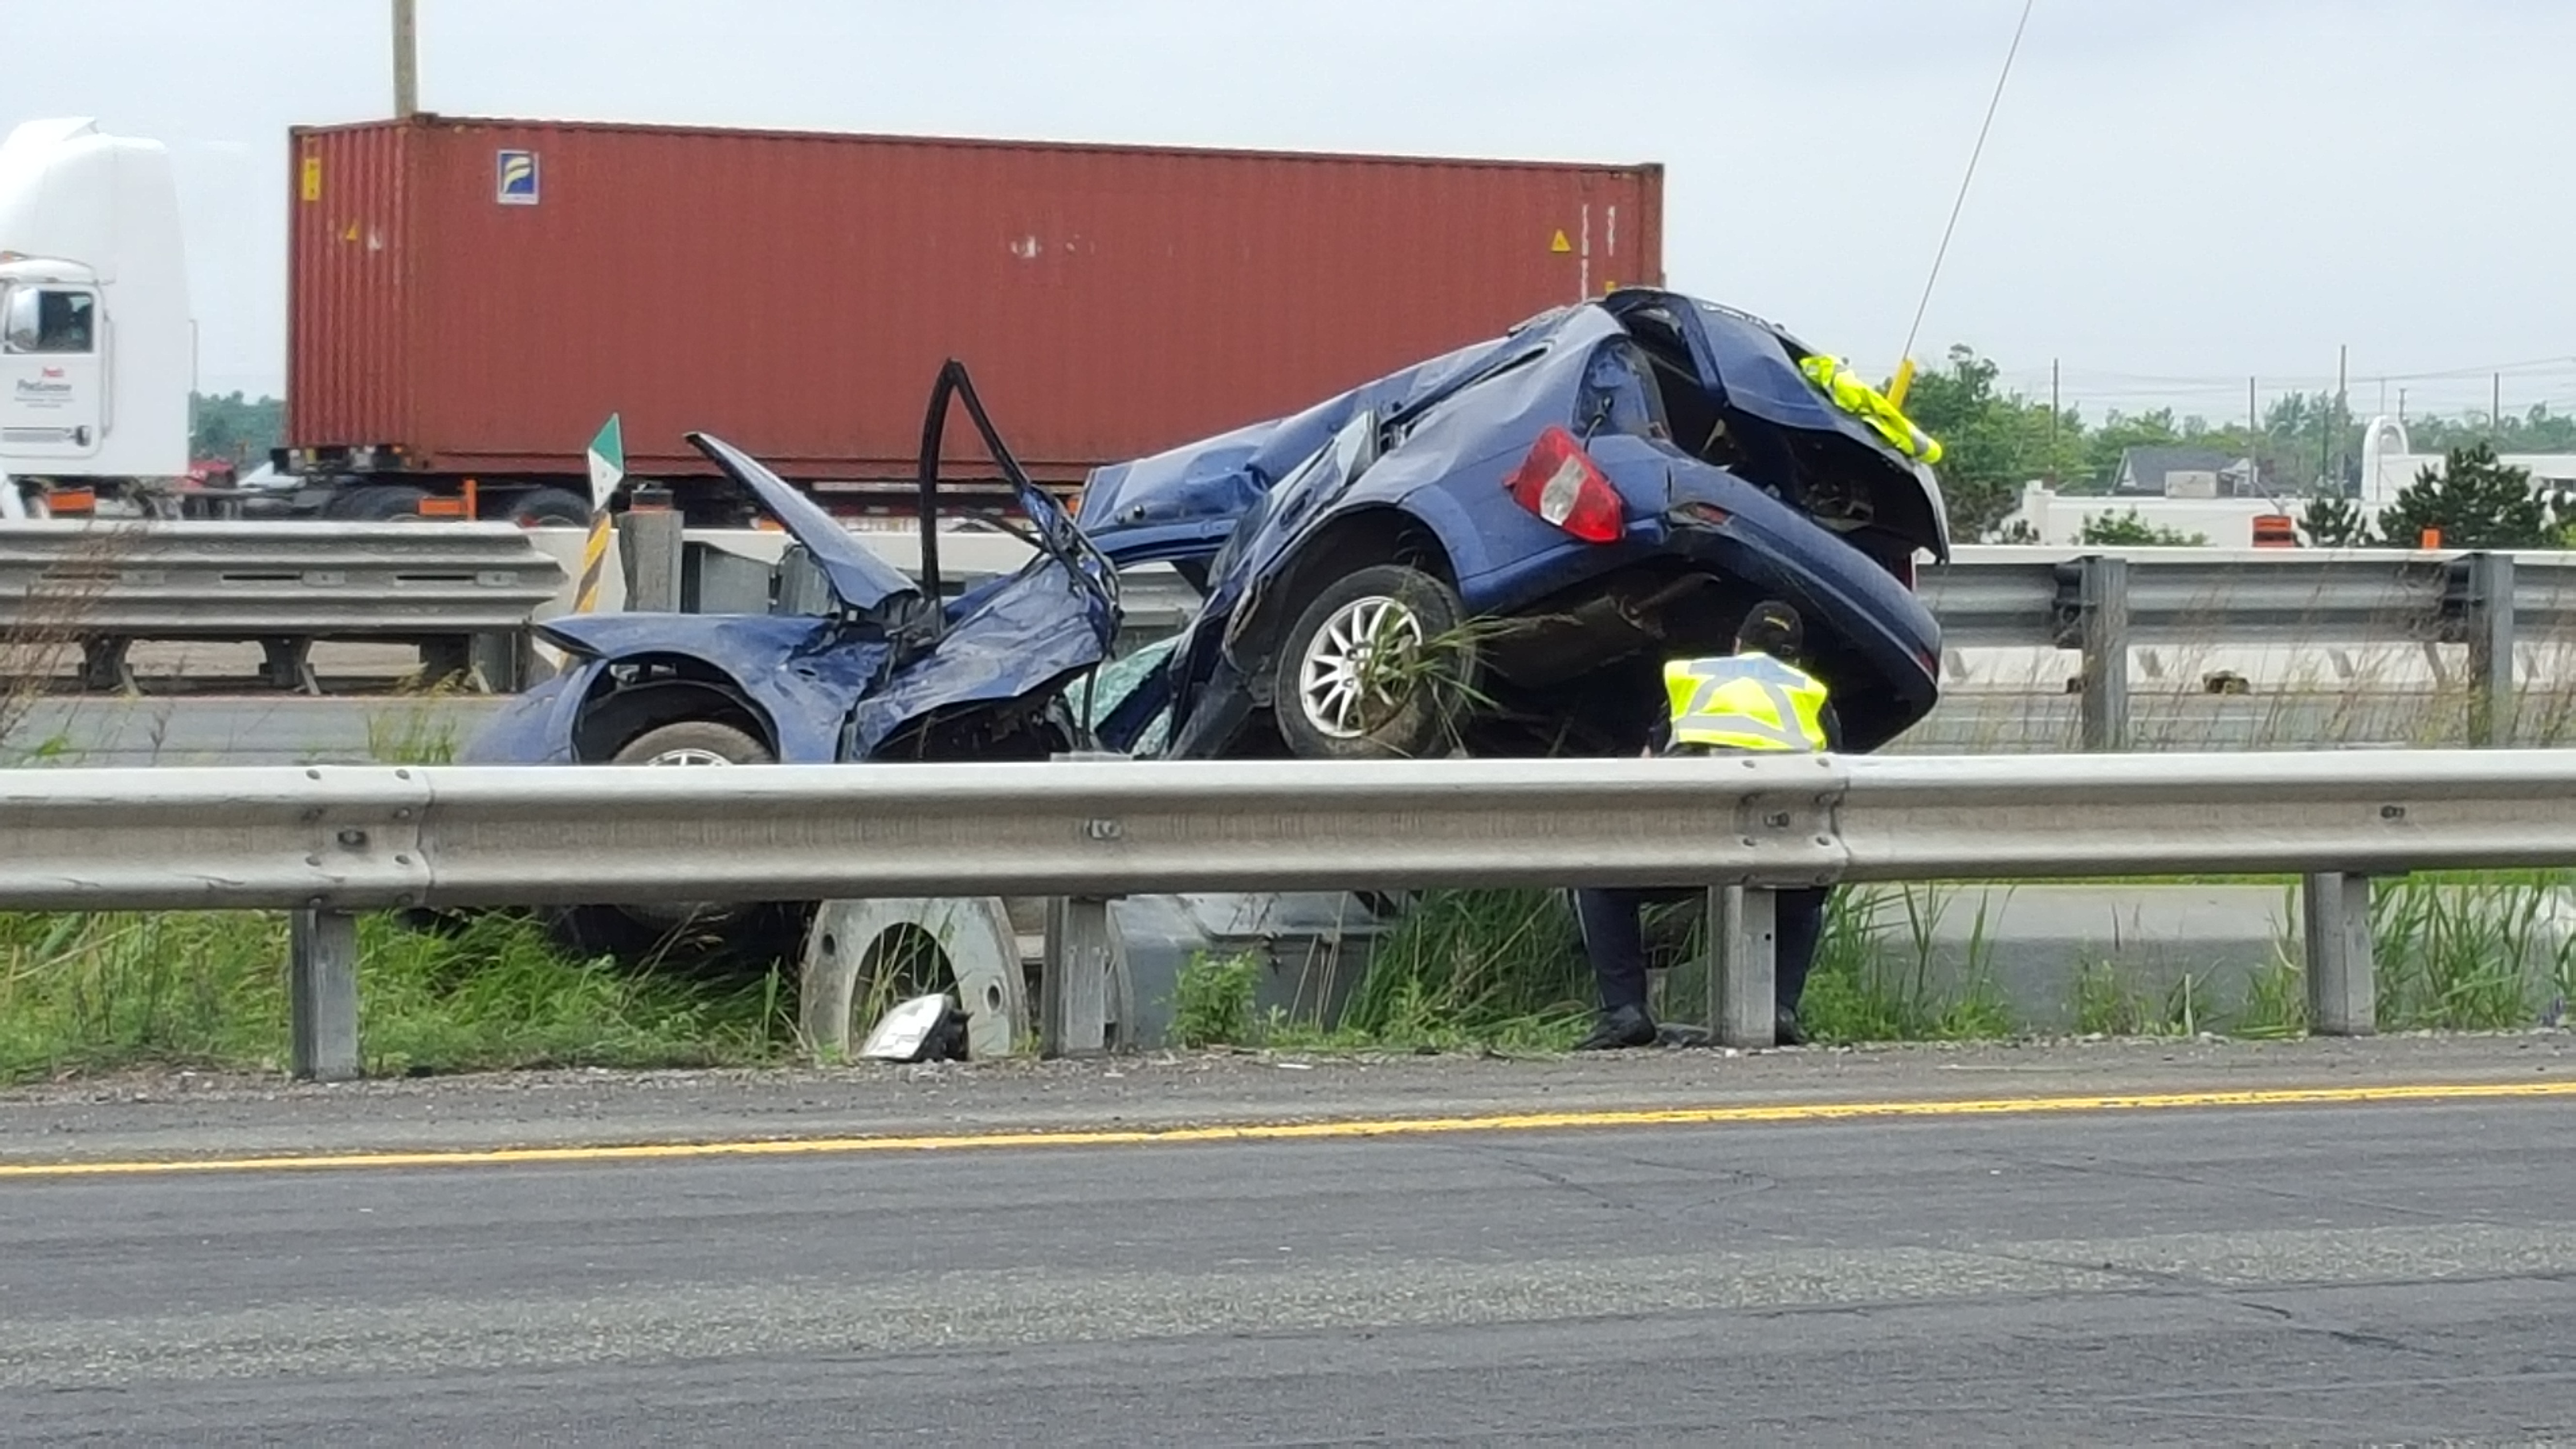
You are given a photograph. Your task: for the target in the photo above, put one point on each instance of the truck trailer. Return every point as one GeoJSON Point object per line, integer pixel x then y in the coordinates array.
{"type": "Point", "coordinates": [469, 298]}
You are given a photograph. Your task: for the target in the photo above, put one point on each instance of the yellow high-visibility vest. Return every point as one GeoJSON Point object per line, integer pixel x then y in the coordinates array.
{"type": "Point", "coordinates": [1747, 702]}
{"type": "Point", "coordinates": [1870, 406]}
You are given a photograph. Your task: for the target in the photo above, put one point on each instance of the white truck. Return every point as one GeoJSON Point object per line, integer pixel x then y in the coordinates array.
{"type": "Point", "coordinates": [96, 345]}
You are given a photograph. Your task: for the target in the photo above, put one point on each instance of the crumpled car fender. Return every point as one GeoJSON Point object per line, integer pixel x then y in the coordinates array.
{"type": "Point", "coordinates": [801, 675]}
{"type": "Point", "coordinates": [1028, 637]}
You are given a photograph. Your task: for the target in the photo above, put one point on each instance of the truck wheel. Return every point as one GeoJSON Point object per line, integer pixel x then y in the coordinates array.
{"type": "Point", "coordinates": [549, 508]}
{"type": "Point", "coordinates": [1374, 669]}
{"type": "Point", "coordinates": [377, 503]}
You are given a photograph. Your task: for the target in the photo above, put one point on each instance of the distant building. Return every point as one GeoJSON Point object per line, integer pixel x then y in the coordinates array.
{"type": "Point", "coordinates": [2173, 472]}
{"type": "Point", "coordinates": [2058, 519]}
{"type": "Point", "coordinates": [2388, 466]}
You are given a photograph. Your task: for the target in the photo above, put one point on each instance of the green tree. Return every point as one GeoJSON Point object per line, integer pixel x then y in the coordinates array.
{"type": "Point", "coordinates": [233, 427]}
{"type": "Point", "coordinates": [2128, 530]}
{"type": "Point", "coordinates": [2120, 432]}
{"type": "Point", "coordinates": [1992, 441]}
{"type": "Point", "coordinates": [2333, 523]}
{"type": "Point", "coordinates": [2537, 431]}
{"type": "Point", "coordinates": [2477, 502]}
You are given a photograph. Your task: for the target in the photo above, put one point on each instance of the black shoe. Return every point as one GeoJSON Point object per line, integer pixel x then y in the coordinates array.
{"type": "Point", "coordinates": [1785, 1029]}
{"type": "Point", "coordinates": [1629, 1026]}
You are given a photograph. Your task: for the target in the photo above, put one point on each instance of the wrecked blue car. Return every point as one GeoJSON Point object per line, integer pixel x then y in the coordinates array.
{"type": "Point", "coordinates": [1493, 552]}
{"type": "Point", "coordinates": [884, 669]}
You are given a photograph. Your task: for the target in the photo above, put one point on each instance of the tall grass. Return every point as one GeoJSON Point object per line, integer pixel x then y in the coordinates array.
{"type": "Point", "coordinates": [2453, 952]}
{"type": "Point", "coordinates": [2471, 956]}
{"type": "Point", "coordinates": [416, 731]}
{"type": "Point", "coordinates": [85, 992]}
{"type": "Point", "coordinates": [1877, 977]}
{"type": "Point", "coordinates": [1487, 964]}
{"type": "Point", "coordinates": [92, 992]}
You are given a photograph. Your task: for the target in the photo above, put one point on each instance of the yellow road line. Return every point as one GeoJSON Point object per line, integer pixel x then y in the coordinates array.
{"type": "Point", "coordinates": [1778, 1112]}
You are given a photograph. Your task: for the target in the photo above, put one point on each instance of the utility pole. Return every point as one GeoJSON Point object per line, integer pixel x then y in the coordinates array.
{"type": "Point", "coordinates": [406, 61]}
{"type": "Point", "coordinates": [2325, 436]}
{"type": "Point", "coordinates": [2401, 407]}
{"type": "Point", "coordinates": [2052, 424]}
{"type": "Point", "coordinates": [2253, 432]}
{"type": "Point", "coordinates": [2495, 409]}
{"type": "Point", "coordinates": [2342, 355]}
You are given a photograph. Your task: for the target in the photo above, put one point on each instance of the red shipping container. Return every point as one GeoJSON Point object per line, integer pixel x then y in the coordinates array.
{"type": "Point", "coordinates": [481, 293]}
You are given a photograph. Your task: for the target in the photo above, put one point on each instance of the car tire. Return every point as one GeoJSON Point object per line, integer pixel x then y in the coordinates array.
{"type": "Point", "coordinates": [1327, 711]}
{"type": "Point", "coordinates": [694, 742]}
{"type": "Point", "coordinates": [751, 935]}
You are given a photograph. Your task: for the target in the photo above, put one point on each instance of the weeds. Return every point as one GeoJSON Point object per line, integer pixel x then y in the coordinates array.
{"type": "Point", "coordinates": [2276, 1003]}
{"type": "Point", "coordinates": [417, 733]}
{"type": "Point", "coordinates": [1486, 964]}
{"type": "Point", "coordinates": [1212, 1003]}
{"type": "Point", "coordinates": [2467, 957]}
{"type": "Point", "coordinates": [2111, 1007]}
{"type": "Point", "coordinates": [1876, 976]}
{"type": "Point", "coordinates": [86, 993]}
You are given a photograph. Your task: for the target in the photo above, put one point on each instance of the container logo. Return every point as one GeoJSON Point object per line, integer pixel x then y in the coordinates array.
{"type": "Point", "coordinates": [518, 179]}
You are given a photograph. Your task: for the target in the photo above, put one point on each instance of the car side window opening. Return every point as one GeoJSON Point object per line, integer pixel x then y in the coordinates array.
{"type": "Point", "coordinates": [1620, 394]}
{"type": "Point", "coordinates": [51, 321]}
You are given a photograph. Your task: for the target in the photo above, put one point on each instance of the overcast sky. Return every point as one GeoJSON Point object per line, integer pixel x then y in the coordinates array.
{"type": "Point", "coordinates": [2177, 192]}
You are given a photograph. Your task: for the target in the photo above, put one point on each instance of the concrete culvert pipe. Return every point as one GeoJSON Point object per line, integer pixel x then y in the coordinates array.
{"type": "Point", "coordinates": [863, 956]}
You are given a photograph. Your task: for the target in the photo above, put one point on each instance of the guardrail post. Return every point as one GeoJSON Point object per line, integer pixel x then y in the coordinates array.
{"type": "Point", "coordinates": [2102, 594]}
{"type": "Point", "coordinates": [286, 662]}
{"type": "Point", "coordinates": [651, 543]}
{"type": "Point", "coordinates": [322, 995]}
{"type": "Point", "coordinates": [498, 662]}
{"type": "Point", "coordinates": [1742, 1007]}
{"type": "Point", "coordinates": [2490, 628]}
{"type": "Point", "coordinates": [2343, 993]}
{"type": "Point", "coordinates": [1085, 977]}
{"type": "Point", "coordinates": [104, 665]}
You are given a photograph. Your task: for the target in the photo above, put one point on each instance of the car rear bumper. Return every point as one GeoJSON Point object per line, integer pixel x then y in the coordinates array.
{"type": "Point", "coordinates": [1876, 642]}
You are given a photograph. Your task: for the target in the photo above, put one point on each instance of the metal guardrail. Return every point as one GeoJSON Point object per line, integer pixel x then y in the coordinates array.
{"type": "Point", "coordinates": [2107, 602]}
{"type": "Point", "coordinates": [327, 841]}
{"type": "Point", "coordinates": [460, 586]}
{"type": "Point", "coordinates": [283, 585]}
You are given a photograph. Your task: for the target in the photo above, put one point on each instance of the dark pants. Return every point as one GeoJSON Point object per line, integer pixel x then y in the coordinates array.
{"type": "Point", "coordinates": [1614, 937]}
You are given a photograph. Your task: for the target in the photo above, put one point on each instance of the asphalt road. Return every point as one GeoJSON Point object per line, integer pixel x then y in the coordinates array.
{"type": "Point", "coordinates": [2396, 1272]}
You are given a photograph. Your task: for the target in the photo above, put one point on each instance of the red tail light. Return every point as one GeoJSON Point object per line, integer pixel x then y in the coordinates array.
{"type": "Point", "coordinates": [1560, 483]}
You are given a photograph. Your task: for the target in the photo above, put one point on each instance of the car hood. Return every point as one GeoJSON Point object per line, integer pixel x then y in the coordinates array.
{"type": "Point", "coordinates": [859, 579]}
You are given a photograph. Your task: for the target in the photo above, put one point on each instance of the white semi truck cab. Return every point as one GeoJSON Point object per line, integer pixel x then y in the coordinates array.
{"type": "Point", "coordinates": [96, 347]}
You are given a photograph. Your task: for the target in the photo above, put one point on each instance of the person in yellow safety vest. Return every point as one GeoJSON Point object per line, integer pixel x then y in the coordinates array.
{"type": "Point", "coordinates": [1870, 406]}
{"type": "Point", "coordinates": [1757, 700]}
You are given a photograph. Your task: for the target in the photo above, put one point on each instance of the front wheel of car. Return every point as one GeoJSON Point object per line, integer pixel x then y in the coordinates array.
{"type": "Point", "coordinates": [1377, 667]}
{"type": "Point", "coordinates": [706, 934]}
{"type": "Point", "coordinates": [694, 742]}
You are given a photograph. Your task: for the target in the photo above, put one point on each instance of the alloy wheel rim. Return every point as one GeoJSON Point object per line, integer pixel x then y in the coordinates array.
{"type": "Point", "coordinates": [1342, 673]}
